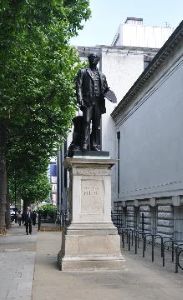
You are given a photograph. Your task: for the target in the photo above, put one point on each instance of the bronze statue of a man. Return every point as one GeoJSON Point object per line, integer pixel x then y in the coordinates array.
{"type": "Point", "coordinates": [91, 86]}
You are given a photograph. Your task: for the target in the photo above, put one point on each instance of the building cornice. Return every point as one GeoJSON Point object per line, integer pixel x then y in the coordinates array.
{"type": "Point", "coordinates": [155, 64]}
{"type": "Point", "coordinates": [85, 50]}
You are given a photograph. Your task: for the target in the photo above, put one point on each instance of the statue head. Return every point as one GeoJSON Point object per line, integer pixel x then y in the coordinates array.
{"type": "Point", "coordinates": [93, 59]}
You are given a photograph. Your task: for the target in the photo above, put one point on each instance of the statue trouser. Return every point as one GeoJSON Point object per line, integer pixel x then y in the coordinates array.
{"type": "Point", "coordinates": [91, 114]}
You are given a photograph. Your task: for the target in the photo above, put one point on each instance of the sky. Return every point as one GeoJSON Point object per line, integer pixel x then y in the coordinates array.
{"type": "Point", "coordinates": [106, 16]}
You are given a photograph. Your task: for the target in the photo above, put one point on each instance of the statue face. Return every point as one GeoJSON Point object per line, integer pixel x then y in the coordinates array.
{"type": "Point", "coordinates": [93, 60]}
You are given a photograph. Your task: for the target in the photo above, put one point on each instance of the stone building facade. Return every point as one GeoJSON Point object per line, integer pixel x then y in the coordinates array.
{"type": "Point", "coordinates": [135, 34]}
{"type": "Point", "coordinates": [149, 142]}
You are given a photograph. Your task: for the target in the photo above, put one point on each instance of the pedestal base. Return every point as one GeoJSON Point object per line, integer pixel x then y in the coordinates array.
{"type": "Point", "coordinates": [91, 241]}
{"type": "Point", "coordinates": [87, 264]}
{"type": "Point", "coordinates": [94, 246]}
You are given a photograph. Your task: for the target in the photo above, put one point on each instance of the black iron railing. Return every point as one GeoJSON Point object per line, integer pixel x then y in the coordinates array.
{"type": "Point", "coordinates": [60, 218]}
{"type": "Point", "coordinates": [138, 239]}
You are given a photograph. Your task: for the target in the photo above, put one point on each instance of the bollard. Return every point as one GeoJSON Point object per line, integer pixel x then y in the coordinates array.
{"type": "Point", "coordinates": [39, 221]}
{"type": "Point", "coordinates": [173, 251]}
{"type": "Point", "coordinates": [136, 242]}
{"type": "Point", "coordinates": [176, 259]}
{"type": "Point", "coordinates": [123, 239]}
{"type": "Point", "coordinates": [153, 247]}
{"type": "Point", "coordinates": [129, 241]}
{"type": "Point", "coordinates": [144, 245]}
{"type": "Point", "coordinates": [161, 238]}
{"type": "Point", "coordinates": [163, 253]}
{"type": "Point", "coordinates": [132, 236]}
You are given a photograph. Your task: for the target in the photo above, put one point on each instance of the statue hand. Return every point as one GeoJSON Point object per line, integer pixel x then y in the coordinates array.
{"type": "Point", "coordinates": [81, 107]}
{"type": "Point", "coordinates": [80, 102]}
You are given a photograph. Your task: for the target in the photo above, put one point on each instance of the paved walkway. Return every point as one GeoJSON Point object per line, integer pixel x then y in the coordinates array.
{"type": "Point", "coordinates": [17, 257]}
{"type": "Point", "coordinates": [28, 271]}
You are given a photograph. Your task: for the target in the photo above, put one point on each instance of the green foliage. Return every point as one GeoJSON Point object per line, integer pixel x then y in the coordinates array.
{"type": "Point", "coordinates": [48, 209]}
{"type": "Point", "coordinates": [37, 67]}
{"type": "Point", "coordinates": [37, 70]}
{"type": "Point", "coordinates": [31, 188]}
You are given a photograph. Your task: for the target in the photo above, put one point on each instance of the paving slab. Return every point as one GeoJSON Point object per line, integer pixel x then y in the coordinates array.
{"type": "Point", "coordinates": [28, 270]}
{"type": "Point", "coordinates": [139, 279]}
{"type": "Point", "coordinates": [17, 259]}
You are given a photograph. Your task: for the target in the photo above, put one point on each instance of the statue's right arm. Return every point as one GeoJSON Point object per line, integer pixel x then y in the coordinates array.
{"type": "Point", "coordinates": [79, 80]}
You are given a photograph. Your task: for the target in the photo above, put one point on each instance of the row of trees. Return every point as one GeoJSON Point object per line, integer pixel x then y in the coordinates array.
{"type": "Point", "coordinates": [37, 95]}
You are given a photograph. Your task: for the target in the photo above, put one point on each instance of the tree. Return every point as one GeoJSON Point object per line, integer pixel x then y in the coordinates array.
{"type": "Point", "coordinates": [37, 67]}
{"type": "Point", "coordinates": [32, 189]}
{"type": "Point", "coordinates": [48, 210]}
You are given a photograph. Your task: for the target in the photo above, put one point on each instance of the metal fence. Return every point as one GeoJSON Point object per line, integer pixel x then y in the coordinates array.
{"type": "Point", "coordinates": [59, 219]}
{"type": "Point", "coordinates": [135, 237]}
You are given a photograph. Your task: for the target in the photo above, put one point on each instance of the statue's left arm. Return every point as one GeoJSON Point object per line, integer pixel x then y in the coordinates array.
{"type": "Point", "coordinates": [107, 92]}
{"type": "Point", "coordinates": [105, 86]}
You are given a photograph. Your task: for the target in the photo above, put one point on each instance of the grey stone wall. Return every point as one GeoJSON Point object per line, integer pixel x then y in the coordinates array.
{"type": "Point", "coordinates": [164, 220]}
{"type": "Point", "coordinates": [151, 139]}
{"type": "Point", "coordinates": [145, 218]}
{"type": "Point", "coordinates": [165, 224]}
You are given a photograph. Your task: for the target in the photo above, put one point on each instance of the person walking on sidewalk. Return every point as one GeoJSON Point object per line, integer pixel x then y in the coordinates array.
{"type": "Point", "coordinates": [28, 220]}
{"type": "Point", "coordinates": [19, 218]}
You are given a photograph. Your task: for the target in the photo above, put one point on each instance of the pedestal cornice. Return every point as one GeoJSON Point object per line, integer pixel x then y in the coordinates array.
{"type": "Point", "coordinates": [92, 162]}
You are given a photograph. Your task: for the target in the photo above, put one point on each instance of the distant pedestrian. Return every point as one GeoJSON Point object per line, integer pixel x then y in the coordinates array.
{"type": "Point", "coordinates": [34, 216]}
{"type": "Point", "coordinates": [19, 218]}
{"type": "Point", "coordinates": [39, 220]}
{"type": "Point", "coordinates": [28, 220]}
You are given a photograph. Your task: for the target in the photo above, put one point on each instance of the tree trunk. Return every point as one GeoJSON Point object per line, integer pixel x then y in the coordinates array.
{"type": "Point", "coordinates": [26, 203]}
{"type": "Point", "coordinates": [3, 179]}
{"type": "Point", "coordinates": [3, 194]}
{"type": "Point", "coordinates": [8, 216]}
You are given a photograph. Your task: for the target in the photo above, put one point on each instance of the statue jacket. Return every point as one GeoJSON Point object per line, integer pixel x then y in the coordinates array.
{"type": "Point", "coordinates": [85, 88]}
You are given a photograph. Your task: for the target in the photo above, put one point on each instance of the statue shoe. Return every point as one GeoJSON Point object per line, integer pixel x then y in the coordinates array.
{"type": "Point", "coordinates": [95, 148]}
{"type": "Point", "coordinates": [84, 147]}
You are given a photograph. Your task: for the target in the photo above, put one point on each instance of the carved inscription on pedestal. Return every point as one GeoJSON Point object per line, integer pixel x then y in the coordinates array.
{"type": "Point", "coordinates": [91, 172]}
{"type": "Point", "coordinates": [92, 196]}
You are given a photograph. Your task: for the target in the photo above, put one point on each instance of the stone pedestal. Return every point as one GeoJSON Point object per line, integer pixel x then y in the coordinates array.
{"type": "Point", "coordinates": [91, 241]}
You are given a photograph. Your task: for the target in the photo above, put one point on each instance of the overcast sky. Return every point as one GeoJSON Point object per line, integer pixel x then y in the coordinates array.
{"type": "Point", "coordinates": [101, 28]}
